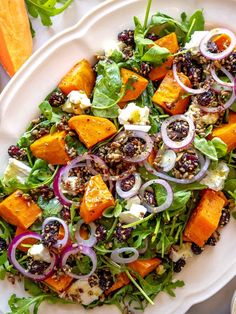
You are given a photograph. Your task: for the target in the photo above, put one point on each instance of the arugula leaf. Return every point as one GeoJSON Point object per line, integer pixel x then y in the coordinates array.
{"type": "Point", "coordinates": [196, 23]}
{"type": "Point", "coordinates": [50, 208]}
{"type": "Point", "coordinates": [139, 37]}
{"type": "Point", "coordinates": [40, 172]}
{"type": "Point", "coordinates": [74, 142]}
{"type": "Point", "coordinates": [49, 112]}
{"type": "Point", "coordinates": [107, 90]}
{"type": "Point", "coordinates": [156, 55]}
{"type": "Point", "coordinates": [213, 149]}
{"type": "Point", "coordinates": [46, 9]}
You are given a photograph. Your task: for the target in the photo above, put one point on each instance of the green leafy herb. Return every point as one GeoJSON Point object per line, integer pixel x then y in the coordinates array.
{"type": "Point", "coordinates": [196, 23]}
{"type": "Point", "coordinates": [49, 112]}
{"type": "Point", "coordinates": [213, 149]}
{"type": "Point", "coordinates": [46, 9]}
{"type": "Point", "coordinates": [107, 91]}
{"type": "Point", "coordinates": [156, 55]}
{"type": "Point", "coordinates": [50, 208]}
{"type": "Point", "coordinates": [74, 142]}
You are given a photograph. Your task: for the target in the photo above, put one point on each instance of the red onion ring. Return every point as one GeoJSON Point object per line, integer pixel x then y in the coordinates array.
{"type": "Point", "coordinates": [220, 55]}
{"type": "Point", "coordinates": [148, 145]}
{"type": "Point", "coordinates": [170, 161]}
{"type": "Point", "coordinates": [219, 81]}
{"type": "Point", "coordinates": [115, 255]}
{"type": "Point", "coordinates": [57, 189]}
{"type": "Point", "coordinates": [12, 257]}
{"type": "Point", "coordinates": [92, 238]}
{"type": "Point", "coordinates": [235, 86]}
{"type": "Point", "coordinates": [169, 197]}
{"type": "Point", "coordinates": [184, 87]}
{"type": "Point", "coordinates": [85, 250]}
{"type": "Point", "coordinates": [174, 144]}
{"type": "Point", "coordinates": [133, 191]}
{"type": "Point", "coordinates": [63, 242]}
{"type": "Point", "coordinates": [204, 166]}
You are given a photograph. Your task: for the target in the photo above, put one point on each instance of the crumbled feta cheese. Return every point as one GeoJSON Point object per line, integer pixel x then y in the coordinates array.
{"type": "Point", "coordinates": [195, 41]}
{"type": "Point", "coordinates": [16, 169]}
{"type": "Point", "coordinates": [83, 292]}
{"type": "Point", "coordinates": [135, 213]}
{"type": "Point", "coordinates": [70, 186]}
{"type": "Point", "coordinates": [39, 253]}
{"type": "Point", "coordinates": [112, 46]}
{"type": "Point", "coordinates": [77, 102]}
{"type": "Point", "coordinates": [178, 252]}
{"type": "Point", "coordinates": [133, 114]}
{"type": "Point", "coordinates": [131, 201]}
{"type": "Point", "coordinates": [215, 178]}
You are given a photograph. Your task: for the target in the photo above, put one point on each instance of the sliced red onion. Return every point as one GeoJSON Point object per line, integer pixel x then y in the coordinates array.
{"type": "Point", "coordinates": [136, 127]}
{"type": "Point", "coordinates": [204, 166]}
{"type": "Point", "coordinates": [180, 144]}
{"type": "Point", "coordinates": [235, 86]}
{"type": "Point", "coordinates": [184, 87]}
{"type": "Point", "coordinates": [97, 160]}
{"type": "Point", "coordinates": [148, 145]}
{"type": "Point", "coordinates": [228, 103]}
{"type": "Point", "coordinates": [85, 250]}
{"type": "Point", "coordinates": [63, 242]}
{"type": "Point", "coordinates": [57, 189]}
{"type": "Point", "coordinates": [92, 238]}
{"type": "Point", "coordinates": [133, 191]}
{"type": "Point", "coordinates": [220, 55]}
{"type": "Point", "coordinates": [115, 255]}
{"type": "Point", "coordinates": [12, 257]}
{"type": "Point", "coordinates": [169, 196]}
{"type": "Point", "coordinates": [218, 80]}
{"type": "Point", "coordinates": [168, 160]}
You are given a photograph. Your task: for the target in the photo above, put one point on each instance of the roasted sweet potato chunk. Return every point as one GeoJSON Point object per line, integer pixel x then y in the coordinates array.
{"type": "Point", "coordinates": [51, 148]}
{"type": "Point", "coordinates": [80, 77]}
{"type": "Point", "coordinates": [96, 199]}
{"type": "Point", "coordinates": [59, 283]}
{"type": "Point", "coordinates": [18, 211]}
{"type": "Point", "coordinates": [169, 95]}
{"type": "Point", "coordinates": [92, 130]}
{"type": "Point", "coordinates": [205, 218]}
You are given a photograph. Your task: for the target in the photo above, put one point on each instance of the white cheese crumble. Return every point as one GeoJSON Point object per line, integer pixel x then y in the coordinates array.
{"type": "Point", "coordinates": [133, 114]}
{"type": "Point", "coordinates": [70, 186]}
{"type": "Point", "coordinates": [215, 178]}
{"type": "Point", "coordinates": [77, 102]}
{"type": "Point", "coordinates": [82, 291]}
{"type": "Point", "coordinates": [16, 169]}
{"type": "Point", "coordinates": [39, 253]}
{"type": "Point", "coordinates": [131, 201]}
{"type": "Point", "coordinates": [112, 46]}
{"type": "Point", "coordinates": [135, 213]}
{"type": "Point", "coordinates": [195, 41]}
{"type": "Point", "coordinates": [178, 252]}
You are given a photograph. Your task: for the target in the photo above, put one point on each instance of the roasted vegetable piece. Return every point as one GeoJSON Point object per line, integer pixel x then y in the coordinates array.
{"type": "Point", "coordinates": [15, 36]}
{"type": "Point", "coordinates": [205, 218]}
{"type": "Point", "coordinates": [51, 148]}
{"type": "Point", "coordinates": [171, 43]}
{"type": "Point", "coordinates": [144, 266]}
{"type": "Point", "coordinates": [29, 241]}
{"type": "Point", "coordinates": [19, 211]}
{"type": "Point", "coordinates": [80, 77]}
{"type": "Point", "coordinates": [92, 130]}
{"type": "Point", "coordinates": [134, 83]}
{"type": "Point", "coordinates": [96, 199]}
{"type": "Point", "coordinates": [141, 266]}
{"type": "Point", "coordinates": [170, 96]}
{"type": "Point", "coordinates": [59, 283]}
{"type": "Point", "coordinates": [222, 41]}
{"type": "Point", "coordinates": [227, 132]}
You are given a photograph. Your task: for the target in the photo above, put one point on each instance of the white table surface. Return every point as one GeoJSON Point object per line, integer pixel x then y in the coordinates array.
{"type": "Point", "coordinates": [220, 302]}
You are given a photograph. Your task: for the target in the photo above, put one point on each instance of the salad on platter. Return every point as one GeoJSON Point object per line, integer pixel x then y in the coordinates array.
{"type": "Point", "coordinates": [127, 172]}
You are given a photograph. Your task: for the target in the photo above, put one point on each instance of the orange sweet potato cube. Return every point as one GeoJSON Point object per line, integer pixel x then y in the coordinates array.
{"type": "Point", "coordinates": [96, 199]}
{"type": "Point", "coordinates": [205, 218]}
{"type": "Point", "coordinates": [171, 43]}
{"type": "Point", "coordinates": [51, 148]}
{"type": "Point", "coordinates": [169, 95]}
{"type": "Point", "coordinates": [59, 283]}
{"type": "Point", "coordinates": [137, 84]}
{"type": "Point", "coordinates": [18, 211]}
{"type": "Point", "coordinates": [80, 77]}
{"type": "Point", "coordinates": [92, 130]}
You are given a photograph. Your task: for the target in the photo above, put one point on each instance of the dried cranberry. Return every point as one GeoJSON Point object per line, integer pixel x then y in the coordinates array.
{"type": "Point", "coordinates": [129, 149]}
{"type": "Point", "coordinates": [152, 36]}
{"type": "Point", "coordinates": [101, 233]}
{"type": "Point", "coordinates": [145, 68]}
{"type": "Point", "coordinates": [212, 47]}
{"type": "Point", "coordinates": [196, 249]}
{"type": "Point", "coordinates": [127, 37]}
{"type": "Point", "coordinates": [149, 198]}
{"type": "Point", "coordinates": [36, 267]}
{"type": "Point", "coordinates": [3, 245]}
{"type": "Point", "coordinates": [105, 279]}
{"type": "Point", "coordinates": [16, 152]}
{"type": "Point", "coordinates": [225, 218]}
{"type": "Point", "coordinates": [65, 213]}
{"type": "Point", "coordinates": [179, 265]}
{"type": "Point", "coordinates": [122, 234]}
{"type": "Point", "coordinates": [205, 99]}
{"type": "Point", "coordinates": [178, 130]}
{"type": "Point", "coordinates": [50, 233]}
{"type": "Point", "coordinates": [128, 183]}
{"type": "Point", "coordinates": [187, 163]}
{"type": "Point", "coordinates": [56, 99]}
